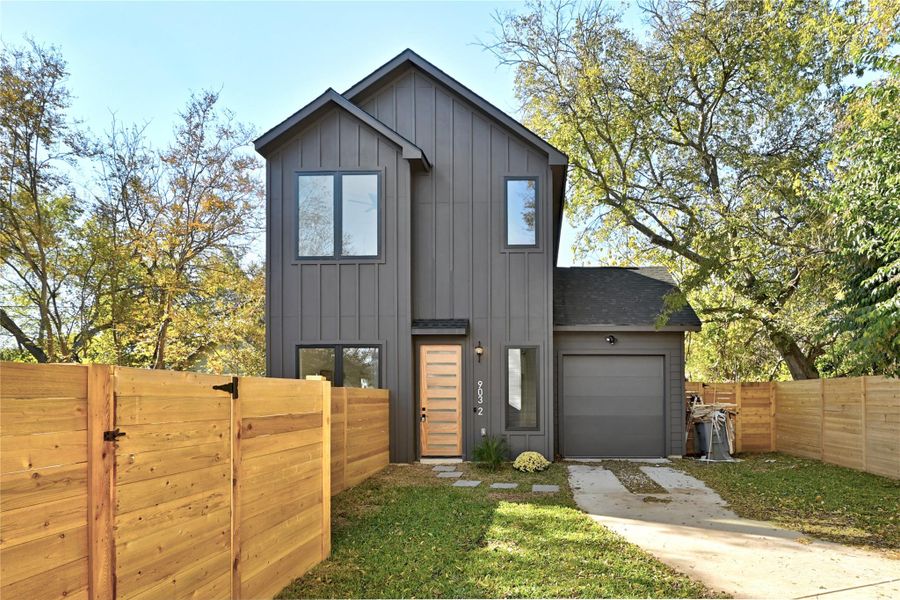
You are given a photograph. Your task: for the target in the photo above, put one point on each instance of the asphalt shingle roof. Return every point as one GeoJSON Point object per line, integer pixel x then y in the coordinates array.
{"type": "Point", "coordinates": [632, 296]}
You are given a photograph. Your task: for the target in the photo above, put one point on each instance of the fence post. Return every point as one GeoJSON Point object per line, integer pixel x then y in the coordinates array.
{"type": "Point", "coordinates": [772, 417]}
{"type": "Point", "coordinates": [738, 434]}
{"type": "Point", "coordinates": [822, 419]}
{"type": "Point", "coordinates": [864, 428]}
{"type": "Point", "coordinates": [101, 485]}
{"type": "Point", "coordinates": [236, 485]}
{"type": "Point", "coordinates": [326, 469]}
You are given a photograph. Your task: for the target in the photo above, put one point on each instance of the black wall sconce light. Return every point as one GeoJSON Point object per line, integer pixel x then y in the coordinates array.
{"type": "Point", "coordinates": [611, 339]}
{"type": "Point", "coordinates": [479, 351]}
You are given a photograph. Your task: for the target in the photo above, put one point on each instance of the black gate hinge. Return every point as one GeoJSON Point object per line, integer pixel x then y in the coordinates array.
{"type": "Point", "coordinates": [112, 436]}
{"type": "Point", "coordinates": [231, 388]}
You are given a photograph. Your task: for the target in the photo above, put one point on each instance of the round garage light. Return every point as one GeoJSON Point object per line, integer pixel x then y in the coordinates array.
{"type": "Point", "coordinates": [611, 339]}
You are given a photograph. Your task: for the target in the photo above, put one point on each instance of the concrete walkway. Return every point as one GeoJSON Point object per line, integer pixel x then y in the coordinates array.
{"type": "Point", "coordinates": [698, 535]}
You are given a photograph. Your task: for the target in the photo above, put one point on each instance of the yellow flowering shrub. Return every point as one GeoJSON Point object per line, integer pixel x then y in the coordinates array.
{"type": "Point", "coordinates": [531, 462]}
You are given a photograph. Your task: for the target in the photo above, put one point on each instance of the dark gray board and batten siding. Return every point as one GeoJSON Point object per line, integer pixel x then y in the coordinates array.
{"type": "Point", "coordinates": [460, 266]}
{"type": "Point", "coordinates": [326, 301]}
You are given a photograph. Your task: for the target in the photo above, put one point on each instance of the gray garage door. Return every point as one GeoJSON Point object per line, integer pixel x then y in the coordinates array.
{"type": "Point", "coordinates": [612, 406]}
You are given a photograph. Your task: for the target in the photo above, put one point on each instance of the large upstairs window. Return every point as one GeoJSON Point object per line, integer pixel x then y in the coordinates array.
{"type": "Point", "coordinates": [338, 215]}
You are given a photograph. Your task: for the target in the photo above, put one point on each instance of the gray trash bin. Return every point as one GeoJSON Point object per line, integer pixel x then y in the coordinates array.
{"type": "Point", "coordinates": [719, 448]}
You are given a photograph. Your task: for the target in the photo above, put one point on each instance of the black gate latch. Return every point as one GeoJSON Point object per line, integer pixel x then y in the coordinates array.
{"type": "Point", "coordinates": [231, 388]}
{"type": "Point", "coordinates": [112, 436]}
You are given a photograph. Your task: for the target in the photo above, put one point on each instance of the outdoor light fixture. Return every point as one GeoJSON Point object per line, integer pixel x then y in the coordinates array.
{"type": "Point", "coordinates": [611, 339]}
{"type": "Point", "coordinates": [479, 350]}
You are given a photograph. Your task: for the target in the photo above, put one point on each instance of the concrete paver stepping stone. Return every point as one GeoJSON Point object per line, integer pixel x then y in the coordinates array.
{"type": "Point", "coordinates": [544, 489]}
{"type": "Point", "coordinates": [444, 468]}
{"type": "Point", "coordinates": [466, 483]}
{"type": "Point", "coordinates": [450, 474]}
{"type": "Point", "coordinates": [504, 486]}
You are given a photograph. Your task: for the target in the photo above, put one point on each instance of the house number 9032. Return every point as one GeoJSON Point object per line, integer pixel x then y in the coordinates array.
{"type": "Point", "coordinates": [479, 410]}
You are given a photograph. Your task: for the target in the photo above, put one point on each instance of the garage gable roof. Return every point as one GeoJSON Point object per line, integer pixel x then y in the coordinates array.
{"type": "Point", "coordinates": [630, 298]}
{"type": "Point", "coordinates": [267, 141]}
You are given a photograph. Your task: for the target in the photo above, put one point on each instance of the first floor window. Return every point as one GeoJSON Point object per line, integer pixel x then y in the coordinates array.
{"type": "Point", "coordinates": [316, 361]}
{"type": "Point", "coordinates": [521, 388]}
{"type": "Point", "coordinates": [337, 215]}
{"type": "Point", "coordinates": [345, 366]}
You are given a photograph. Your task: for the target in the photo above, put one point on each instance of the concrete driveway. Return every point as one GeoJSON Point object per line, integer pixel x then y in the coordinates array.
{"type": "Point", "coordinates": [698, 535]}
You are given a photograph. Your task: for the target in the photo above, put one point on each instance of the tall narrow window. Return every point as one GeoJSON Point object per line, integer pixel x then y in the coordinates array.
{"type": "Point", "coordinates": [359, 215]}
{"type": "Point", "coordinates": [315, 215]}
{"type": "Point", "coordinates": [521, 212]}
{"type": "Point", "coordinates": [338, 215]}
{"type": "Point", "coordinates": [521, 388]}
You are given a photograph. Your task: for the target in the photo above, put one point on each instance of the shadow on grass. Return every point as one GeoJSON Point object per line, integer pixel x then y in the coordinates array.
{"type": "Point", "coordinates": [406, 534]}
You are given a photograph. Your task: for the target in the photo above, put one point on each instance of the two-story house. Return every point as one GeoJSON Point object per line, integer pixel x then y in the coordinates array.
{"type": "Point", "coordinates": [412, 237]}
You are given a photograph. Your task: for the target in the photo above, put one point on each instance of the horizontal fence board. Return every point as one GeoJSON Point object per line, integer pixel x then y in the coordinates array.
{"type": "Point", "coordinates": [21, 415]}
{"type": "Point", "coordinates": [40, 555]}
{"type": "Point", "coordinates": [39, 450]}
{"type": "Point", "coordinates": [48, 518]}
{"type": "Point", "coordinates": [68, 580]}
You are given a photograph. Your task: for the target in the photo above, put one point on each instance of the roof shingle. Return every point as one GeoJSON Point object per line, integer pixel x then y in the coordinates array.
{"type": "Point", "coordinates": [616, 296]}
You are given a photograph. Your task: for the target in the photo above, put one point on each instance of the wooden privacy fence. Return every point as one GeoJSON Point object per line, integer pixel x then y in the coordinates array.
{"type": "Point", "coordinates": [853, 422]}
{"type": "Point", "coordinates": [359, 435]}
{"type": "Point", "coordinates": [128, 483]}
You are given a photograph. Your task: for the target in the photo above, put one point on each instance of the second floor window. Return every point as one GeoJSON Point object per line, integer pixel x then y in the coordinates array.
{"type": "Point", "coordinates": [338, 215]}
{"type": "Point", "coordinates": [521, 212]}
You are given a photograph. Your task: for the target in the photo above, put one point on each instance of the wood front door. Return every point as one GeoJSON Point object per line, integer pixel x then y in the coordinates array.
{"type": "Point", "coordinates": [440, 400]}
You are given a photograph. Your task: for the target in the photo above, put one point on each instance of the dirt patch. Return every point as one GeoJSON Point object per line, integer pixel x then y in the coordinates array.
{"type": "Point", "coordinates": [631, 476]}
{"type": "Point", "coordinates": [650, 499]}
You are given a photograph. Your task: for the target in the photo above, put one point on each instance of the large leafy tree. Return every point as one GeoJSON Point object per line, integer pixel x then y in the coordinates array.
{"type": "Point", "coordinates": [702, 144]}
{"type": "Point", "coordinates": [865, 201]}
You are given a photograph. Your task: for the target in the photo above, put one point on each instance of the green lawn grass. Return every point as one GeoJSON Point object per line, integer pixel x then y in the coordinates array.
{"type": "Point", "coordinates": [405, 533]}
{"type": "Point", "coordinates": [822, 500]}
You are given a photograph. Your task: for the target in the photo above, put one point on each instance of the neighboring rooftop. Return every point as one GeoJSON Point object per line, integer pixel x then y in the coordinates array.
{"type": "Point", "coordinates": [631, 297]}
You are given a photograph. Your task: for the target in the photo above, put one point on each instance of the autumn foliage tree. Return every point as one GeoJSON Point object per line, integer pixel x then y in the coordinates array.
{"type": "Point", "coordinates": [153, 269]}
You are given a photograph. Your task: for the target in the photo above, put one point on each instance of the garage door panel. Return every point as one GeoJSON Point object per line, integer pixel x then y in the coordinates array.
{"type": "Point", "coordinates": [633, 406]}
{"type": "Point", "coordinates": [613, 406]}
{"type": "Point", "coordinates": [633, 366]}
{"type": "Point", "coordinates": [611, 437]}
{"type": "Point", "coordinates": [613, 386]}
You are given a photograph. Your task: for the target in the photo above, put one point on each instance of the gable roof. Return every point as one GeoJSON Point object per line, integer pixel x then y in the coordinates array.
{"type": "Point", "coordinates": [267, 141]}
{"type": "Point", "coordinates": [408, 57]}
{"type": "Point", "coordinates": [609, 298]}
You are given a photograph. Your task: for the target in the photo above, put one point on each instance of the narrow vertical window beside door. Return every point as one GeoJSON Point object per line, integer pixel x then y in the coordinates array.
{"type": "Point", "coordinates": [521, 388]}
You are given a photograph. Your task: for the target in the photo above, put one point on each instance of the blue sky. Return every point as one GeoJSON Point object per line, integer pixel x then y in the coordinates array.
{"type": "Point", "coordinates": [141, 60]}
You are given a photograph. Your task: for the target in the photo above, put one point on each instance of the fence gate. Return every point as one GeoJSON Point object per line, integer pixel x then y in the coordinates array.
{"type": "Point", "coordinates": [172, 513]}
